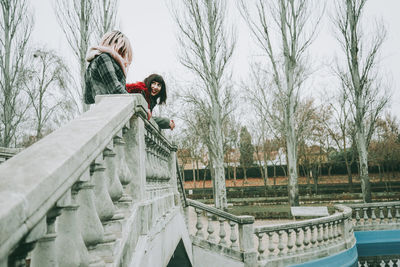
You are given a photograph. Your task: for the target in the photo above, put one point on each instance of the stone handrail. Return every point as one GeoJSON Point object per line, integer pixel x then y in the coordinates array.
{"type": "Point", "coordinates": [220, 213]}
{"type": "Point", "coordinates": [84, 194]}
{"type": "Point", "coordinates": [305, 240]}
{"type": "Point", "coordinates": [240, 244]}
{"type": "Point", "coordinates": [376, 216]}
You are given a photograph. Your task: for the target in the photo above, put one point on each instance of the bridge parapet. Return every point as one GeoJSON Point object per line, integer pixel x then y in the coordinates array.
{"type": "Point", "coordinates": [273, 245]}
{"type": "Point", "coordinates": [306, 240]}
{"type": "Point", "coordinates": [213, 236]}
{"type": "Point", "coordinates": [376, 216]}
{"type": "Point", "coordinates": [83, 195]}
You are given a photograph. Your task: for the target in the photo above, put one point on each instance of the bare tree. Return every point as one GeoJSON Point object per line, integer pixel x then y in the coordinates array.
{"type": "Point", "coordinates": [287, 59]}
{"type": "Point", "coordinates": [105, 16]}
{"type": "Point", "coordinates": [45, 88]}
{"type": "Point", "coordinates": [338, 123]}
{"type": "Point", "coordinates": [76, 18]}
{"type": "Point", "coordinates": [246, 151]}
{"type": "Point", "coordinates": [15, 30]}
{"type": "Point", "coordinates": [206, 48]}
{"type": "Point", "coordinates": [360, 78]}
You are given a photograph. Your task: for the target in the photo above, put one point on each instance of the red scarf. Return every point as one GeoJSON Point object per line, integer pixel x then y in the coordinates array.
{"type": "Point", "coordinates": [140, 88]}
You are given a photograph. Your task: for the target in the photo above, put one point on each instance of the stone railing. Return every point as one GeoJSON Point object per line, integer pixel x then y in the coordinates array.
{"type": "Point", "coordinates": [7, 153]}
{"type": "Point", "coordinates": [376, 216]}
{"type": "Point", "coordinates": [84, 194]}
{"type": "Point", "coordinates": [297, 242]}
{"type": "Point", "coordinates": [212, 226]}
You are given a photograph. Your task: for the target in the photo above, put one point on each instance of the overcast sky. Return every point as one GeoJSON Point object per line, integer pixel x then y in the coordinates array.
{"type": "Point", "coordinates": [149, 26]}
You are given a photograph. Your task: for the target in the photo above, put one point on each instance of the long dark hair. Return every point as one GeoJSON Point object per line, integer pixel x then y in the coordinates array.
{"type": "Point", "coordinates": [163, 92]}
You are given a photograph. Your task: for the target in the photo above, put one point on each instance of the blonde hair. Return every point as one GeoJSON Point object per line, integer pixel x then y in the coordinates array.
{"type": "Point", "coordinates": [117, 41]}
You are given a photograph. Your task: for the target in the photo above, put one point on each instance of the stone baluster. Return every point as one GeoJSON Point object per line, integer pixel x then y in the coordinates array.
{"type": "Point", "coordinates": [389, 214]}
{"type": "Point", "coordinates": [330, 232]}
{"type": "Point", "coordinates": [222, 233]}
{"type": "Point", "coordinates": [358, 222]}
{"type": "Point", "coordinates": [45, 252]}
{"type": "Point", "coordinates": [373, 216]}
{"type": "Point", "coordinates": [89, 222]}
{"type": "Point", "coordinates": [326, 234]}
{"type": "Point", "coordinates": [314, 236]}
{"type": "Point", "coordinates": [397, 214]}
{"type": "Point", "coordinates": [233, 235]}
{"type": "Point", "coordinates": [370, 262]}
{"type": "Point", "coordinates": [281, 245]}
{"type": "Point", "coordinates": [306, 239]}
{"type": "Point", "coordinates": [124, 173]}
{"type": "Point", "coordinates": [113, 183]}
{"type": "Point", "coordinates": [341, 228]}
{"type": "Point", "coordinates": [320, 237]}
{"type": "Point", "coordinates": [299, 243]}
{"type": "Point", "coordinates": [271, 245]}
{"type": "Point", "coordinates": [71, 249]}
{"type": "Point", "coordinates": [135, 136]}
{"type": "Point", "coordinates": [365, 217]}
{"type": "Point", "coordinates": [18, 256]}
{"type": "Point", "coordinates": [104, 205]}
{"type": "Point", "coordinates": [147, 155]}
{"type": "Point", "coordinates": [336, 232]}
{"type": "Point", "coordinates": [91, 228]}
{"type": "Point", "coordinates": [291, 241]}
{"type": "Point", "coordinates": [199, 224]}
{"type": "Point", "coordinates": [261, 247]}
{"type": "Point", "coordinates": [381, 216]}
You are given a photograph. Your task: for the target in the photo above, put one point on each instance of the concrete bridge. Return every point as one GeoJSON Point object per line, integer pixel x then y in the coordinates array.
{"type": "Point", "coordinates": [103, 191]}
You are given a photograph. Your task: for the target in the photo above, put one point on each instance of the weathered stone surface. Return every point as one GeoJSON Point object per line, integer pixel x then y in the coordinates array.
{"type": "Point", "coordinates": [309, 211]}
{"type": "Point", "coordinates": [32, 181]}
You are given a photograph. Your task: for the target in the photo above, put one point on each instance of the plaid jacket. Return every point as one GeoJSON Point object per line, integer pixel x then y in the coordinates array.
{"type": "Point", "coordinates": [102, 77]}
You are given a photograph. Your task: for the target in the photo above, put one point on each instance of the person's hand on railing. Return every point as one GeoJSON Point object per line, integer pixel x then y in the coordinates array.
{"type": "Point", "coordinates": [148, 114]}
{"type": "Point", "coordinates": [172, 124]}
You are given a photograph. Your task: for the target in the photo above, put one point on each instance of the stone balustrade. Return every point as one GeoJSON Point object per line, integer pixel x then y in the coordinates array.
{"type": "Point", "coordinates": [240, 227]}
{"type": "Point", "coordinates": [7, 153]}
{"type": "Point", "coordinates": [84, 194]}
{"type": "Point", "coordinates": [376, 216]}
{"type": "Point", "coordinates": [296, 242]}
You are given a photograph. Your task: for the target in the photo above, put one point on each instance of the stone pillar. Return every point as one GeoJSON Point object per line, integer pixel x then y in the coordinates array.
{"type": "Point", "coordinates": [246, 244]}
{"type": "Point", "coordinates": [135, 154]}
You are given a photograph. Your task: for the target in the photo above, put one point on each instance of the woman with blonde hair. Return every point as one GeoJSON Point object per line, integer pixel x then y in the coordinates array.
{"type": "Point", "coordinates": [108, 66]}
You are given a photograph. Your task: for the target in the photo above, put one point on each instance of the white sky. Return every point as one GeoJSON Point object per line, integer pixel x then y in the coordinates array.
{"type": "Point", "coordinates": [151, 30]}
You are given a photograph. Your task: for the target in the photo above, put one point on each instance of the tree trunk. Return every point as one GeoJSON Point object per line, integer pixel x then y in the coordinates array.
{"type": "Point", "coordinates": [7, 80]}
{"type": "Point", "coordinates": [363, 164]}
{"type": "Point", "coordinates": [84, 27]}
{"type": "Point", "coordinates": [292, 163]}
{"type": "Point", "coordinates": [234, 173]}
{"type": "Point", "coordinates": [350, 176]}
{"type": "Point", "coordinates": [244, 176]}
{"type": "Point", "coordinates": [194, 174]}
{"type": "Point", "coordinates": [197, 169]}
{"type": "Point", "coordinates": [315, 179]}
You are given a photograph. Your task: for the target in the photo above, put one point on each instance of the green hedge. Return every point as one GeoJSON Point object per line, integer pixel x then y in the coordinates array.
{"type": "Point", "coordinates": [254, 171]}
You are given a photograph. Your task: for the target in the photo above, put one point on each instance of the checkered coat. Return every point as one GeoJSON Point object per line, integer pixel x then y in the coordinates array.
{"type": "Point", "coordinates": [103, 76]}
